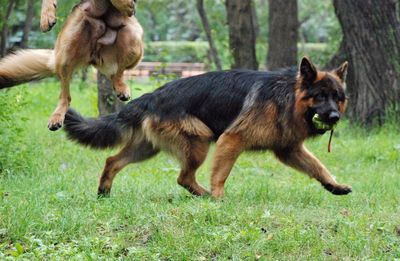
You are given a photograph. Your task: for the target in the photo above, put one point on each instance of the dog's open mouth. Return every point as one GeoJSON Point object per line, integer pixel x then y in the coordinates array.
{"type": "Point", "coordinates": [319, 124]}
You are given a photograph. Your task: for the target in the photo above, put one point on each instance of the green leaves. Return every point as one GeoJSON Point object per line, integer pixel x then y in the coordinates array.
{"type": "Point", "coordinates": [19, 250]}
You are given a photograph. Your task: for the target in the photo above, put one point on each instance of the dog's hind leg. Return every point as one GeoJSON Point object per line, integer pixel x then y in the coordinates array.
{"type": "Point", "coordinates": [131, 153]}
{"type": "Point", "coordinates": [57, 118]}
{"type": "Point", "coordinates": [128, 49]}
{"type": "Point", "coordinates": [301, 159]}
{"type": "Point", "coordinates": [190, 162]}
{"type": "Point", "coordinates": [188, 140]}
{"type": "Point", "coordinates": [121, 88]}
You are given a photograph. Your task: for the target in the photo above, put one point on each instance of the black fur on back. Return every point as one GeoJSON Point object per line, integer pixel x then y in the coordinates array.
{"type": "Point", "coordinates": [216, 98]}
{"type": "Point", "coordinates": [97, 133]}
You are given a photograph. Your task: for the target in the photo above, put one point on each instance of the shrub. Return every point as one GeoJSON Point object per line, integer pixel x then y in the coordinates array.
{"type": "Point", "coordinates": [192, 52]}
{"type": "Point", "coordinates": [318, 52]}
{"type": "Point", "coordinates": [12, 146]}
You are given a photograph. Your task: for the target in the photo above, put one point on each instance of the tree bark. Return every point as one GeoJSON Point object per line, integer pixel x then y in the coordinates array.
{"type": "Point", "coordinates": [4, 30]}
{"type": "Point", "coordinates": [371, 39]}
{"type": "Point", "coordinates": [283, 34]}
{"type": "Point", "coordinates": [107, 100]}
{"type": "Point", "coordinates": [207, 30]}
{"type": "Point", "coordinates": [30, 11]}
{"type": "Point", "coordinates": [256, 25]}
{"type": "Point", "coordinates": [242, 36]}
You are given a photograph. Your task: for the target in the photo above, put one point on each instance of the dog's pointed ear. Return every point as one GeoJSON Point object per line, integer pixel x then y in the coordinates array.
{"type": "Point", "coordinates": [341, 71]}
{"type": "Point", "coordinates": [308, 70]}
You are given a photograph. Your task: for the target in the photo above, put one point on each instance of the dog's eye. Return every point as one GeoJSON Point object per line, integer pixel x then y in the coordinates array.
{"type": "Point", "coordinates": [335, 96]}
{"type": "Point", "coordinates": [319, 97]}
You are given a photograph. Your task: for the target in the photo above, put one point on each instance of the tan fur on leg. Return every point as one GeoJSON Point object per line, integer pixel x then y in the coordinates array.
{"type": "Point", "coordinates": [48, 15]}
{"type": "Point", "coordinates": [133, 152]}
{"type": "Point", "coordinates": [229, 147]}
{"type": "Point", "coordinates": [301, 159]}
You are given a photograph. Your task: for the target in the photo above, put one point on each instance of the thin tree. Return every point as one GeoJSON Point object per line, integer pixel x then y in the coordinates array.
{"type": "Point", "coordinates": [4, 30]}
{"type": "Point", "coordinates": [371, 42]}
{"type": "Point", "coordinates": [107, 101]}
{"type": "Point", "coordinates": [283, 34]}
{"type": "Point", "coordinates": [30, 11]}
{"type": "Point", "coordinates": [207, 30]}
{"type": "Point", "coordinates": [242, 35]}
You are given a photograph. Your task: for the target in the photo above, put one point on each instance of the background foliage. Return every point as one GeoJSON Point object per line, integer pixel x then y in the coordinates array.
{"type": "Point", "coordinates": [162, 21]}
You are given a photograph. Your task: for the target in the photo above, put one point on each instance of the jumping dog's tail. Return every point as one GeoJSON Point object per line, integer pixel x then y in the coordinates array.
{"type": "Point", "coordinates": [25, 66]}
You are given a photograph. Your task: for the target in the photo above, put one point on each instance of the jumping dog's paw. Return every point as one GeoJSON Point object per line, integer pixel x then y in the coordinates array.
{"type": "Point", "coordinates": [126, 7]}
{"type": "Point", "coordinates": [124, 95]}
{"type": "Point", "coordinates": [338, 189]}
{"type": "Point", "coordinates": [48, 17]}
{"type": "Point", "coordinates": [55, 122]}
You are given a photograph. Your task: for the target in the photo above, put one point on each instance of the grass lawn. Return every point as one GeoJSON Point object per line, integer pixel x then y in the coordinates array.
{"type": "Point", "coordinates": [49, 209]}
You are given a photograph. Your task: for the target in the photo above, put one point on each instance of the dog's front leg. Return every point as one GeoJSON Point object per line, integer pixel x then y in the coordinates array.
{"type": "Point", "coordinates": [301, 159]}
{"type": "Point", "coordinates": [229, 147]}
{"type": "Point", "coordinates": [48, 15]}
{"type": "Point", "coordinates": [57, 118]}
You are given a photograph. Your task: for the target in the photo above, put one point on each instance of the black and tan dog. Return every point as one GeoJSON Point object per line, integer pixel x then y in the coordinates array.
{"type": "Point", "coordinates": [97, 32]}
{"type": "Point", "coordinates": [240, 110]}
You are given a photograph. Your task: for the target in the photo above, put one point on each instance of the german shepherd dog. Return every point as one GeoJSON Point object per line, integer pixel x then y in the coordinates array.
{"type": "Point", "coordinates": [97, 33]}
{"type": "Point", "coordinates": [240, 110]}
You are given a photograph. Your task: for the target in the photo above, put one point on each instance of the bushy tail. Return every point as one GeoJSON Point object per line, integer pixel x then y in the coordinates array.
{"type": "Point", "coordinates": [25, 66]}
{"type": "Point", "coordinates": [97, 133]}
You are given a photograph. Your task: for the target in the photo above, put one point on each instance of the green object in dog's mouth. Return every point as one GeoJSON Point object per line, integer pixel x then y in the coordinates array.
{"type": "Point", "coordinates": [320, 125]}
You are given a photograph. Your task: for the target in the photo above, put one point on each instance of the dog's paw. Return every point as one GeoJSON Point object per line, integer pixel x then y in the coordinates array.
{"type": "Point", "coordinates": [56, 121]}
{"type": "Point", "coordinates": [126, 7]}
{"type": "Point", "coordinates": [338, 189]}
{"type": "Point", "coordinates": [48, 17]}
{"type": "Point", "coordinates": [103, 193]}
{"type": "Point", "coordinates": [124, 95]}
{"type": "Point", "coordinates": [217, 193]}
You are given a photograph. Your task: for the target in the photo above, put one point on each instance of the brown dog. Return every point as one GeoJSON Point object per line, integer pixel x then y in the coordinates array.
{"type": "Point", "coordinates": [240, 110]}
{"type": "Point", "coordinates": [48, 13]}
{"type": "Point", "coordinates": [97, 32]}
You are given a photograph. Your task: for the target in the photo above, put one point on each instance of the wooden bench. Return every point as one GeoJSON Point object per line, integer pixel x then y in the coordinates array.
{"type": "Point", "coordinates": [146, 69]}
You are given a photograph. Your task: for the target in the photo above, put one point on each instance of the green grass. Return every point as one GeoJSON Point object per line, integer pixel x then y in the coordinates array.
{"type": "Point", "coordinates": [49, 209]}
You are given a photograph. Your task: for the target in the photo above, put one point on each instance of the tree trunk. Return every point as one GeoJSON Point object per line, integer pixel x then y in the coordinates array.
{"type": "Point", "coordinates": [84, 74]}
{"type": "Point", "coordinates": [242, 37]}
{"type": "Point", "coordinates": [30, 11]}
{"type": "Point", "coordinates": [371, 38]}
{"type": "Point", "coordinates": [256, 25]}
{"type": "Point", "coordinates": [107, 100]}
{"type": "Point", "coordinates": [4, 30]}
{"type": "Point", "coordinates": [207, 30]}
{"type": "Point", "coordinates": [283, 34]}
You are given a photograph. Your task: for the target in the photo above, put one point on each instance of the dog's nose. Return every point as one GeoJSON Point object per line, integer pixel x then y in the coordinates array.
{"type": "Point", "coordinates": [334, 116]}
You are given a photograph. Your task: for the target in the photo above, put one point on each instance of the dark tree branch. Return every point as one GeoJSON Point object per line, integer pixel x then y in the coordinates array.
{"type": "Point", "coordinates": [30, 11]}
{"type": "Point", "coordinates": [4, 31]}
{"type": "Point", "coordinates": [207, 30]}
